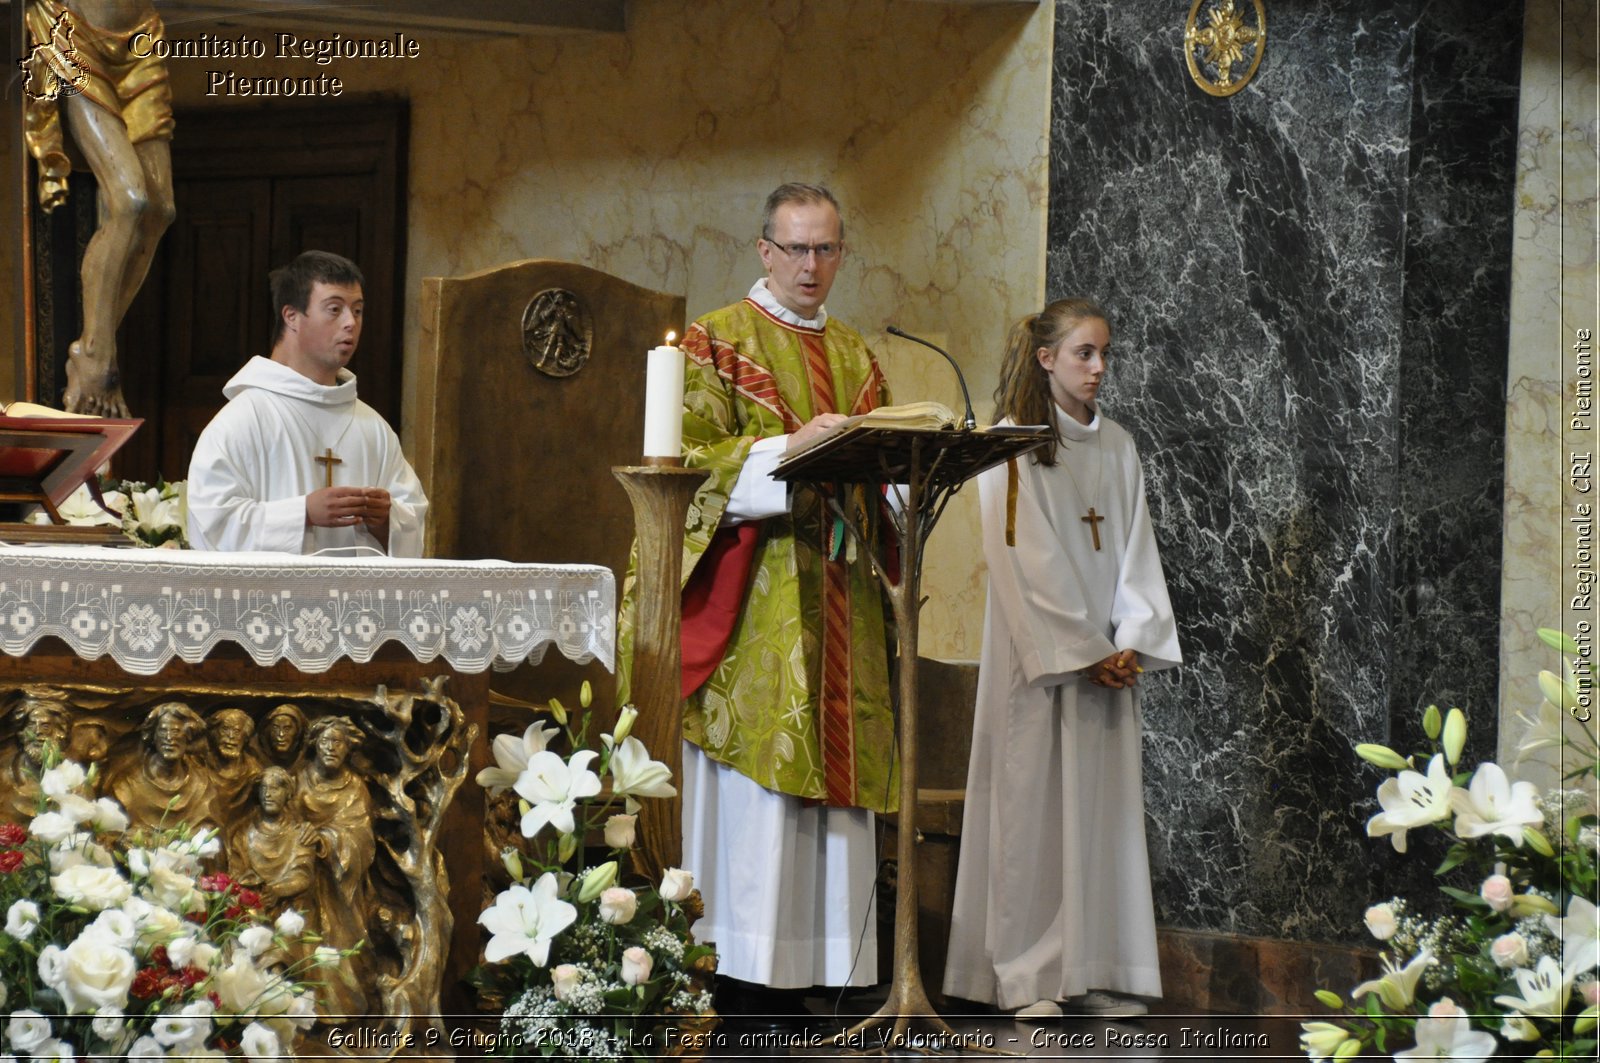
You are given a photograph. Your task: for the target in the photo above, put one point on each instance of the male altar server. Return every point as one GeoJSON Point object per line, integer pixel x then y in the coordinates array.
{"type": "Point", "coordinates": [295, 462]}
{"type": "Point", "coordinates": [789, 737]}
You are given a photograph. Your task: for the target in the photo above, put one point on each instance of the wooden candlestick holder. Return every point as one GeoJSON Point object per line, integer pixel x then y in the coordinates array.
{"type": "Point", "coordinates": [660, 493]}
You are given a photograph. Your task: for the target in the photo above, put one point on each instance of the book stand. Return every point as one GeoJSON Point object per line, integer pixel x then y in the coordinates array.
{"type": "Point", "coordinates": [924, 468]}
{"type": "Point", "coordinates": [44, 459]}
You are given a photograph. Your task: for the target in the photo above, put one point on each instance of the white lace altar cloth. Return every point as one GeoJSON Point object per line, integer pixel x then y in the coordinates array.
{"type": "Point", "coordinates": [145, 607]}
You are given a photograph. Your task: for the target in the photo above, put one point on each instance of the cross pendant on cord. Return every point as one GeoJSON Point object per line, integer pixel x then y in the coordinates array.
{"type": "Point", "coordinates": [1092, 520]}
{"type": "Point", "coordinates": [328, 461]}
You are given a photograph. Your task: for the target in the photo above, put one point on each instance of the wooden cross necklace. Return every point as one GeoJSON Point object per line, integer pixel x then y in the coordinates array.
{"type": "Point", "coordinates": [1093, 519]}
{"type": "Point", "coordinates": [327, 460]}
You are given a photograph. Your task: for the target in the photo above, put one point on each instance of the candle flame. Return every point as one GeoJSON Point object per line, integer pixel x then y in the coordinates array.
{"type": "Point", "coordinates": [670, 337]}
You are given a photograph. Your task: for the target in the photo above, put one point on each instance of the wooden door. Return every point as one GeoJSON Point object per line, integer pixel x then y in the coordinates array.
{"type": "Point", "coordinates": [253, 189]}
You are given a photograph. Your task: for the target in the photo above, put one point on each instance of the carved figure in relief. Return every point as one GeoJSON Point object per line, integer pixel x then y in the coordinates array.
{"type": "Point", "coordinates": [337, 805]}
{"type": "Point", "coordinates": [281, 736]}
{"type": "Point", "coordinates": [273, 851]}
{"type": "Point", "coordinates": [29, 726]}
{"type": "Point", "coordinates": [90, 743]}
{"type": "Point", "coordinates": [160, 781]}
{"type": "Point", "coordinates": [230, 764]}
{"type": "Point", "coordinates": [120, 112]}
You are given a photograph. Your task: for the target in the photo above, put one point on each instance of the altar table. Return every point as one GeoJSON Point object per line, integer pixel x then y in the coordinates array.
{"type": "Point", "coordinates": [115, 621]}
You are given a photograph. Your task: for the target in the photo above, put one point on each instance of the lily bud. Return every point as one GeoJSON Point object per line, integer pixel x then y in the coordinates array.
{"type": "Point", "coordinates": [625, 723]}
{"type": "Point", "coordinates": [566, 847]}
{"type": "Point", "coordinates": [1556, 692]}
{"type": "Point", "coordinates": [558, 711]}
{"type": "Point", "coordinates": [512, 861]}
{"type": "Point", "coordinates": [1455, 735]}
{"type": "Point", "coordinates": [1559, 641]}
{"type": "Point", "coordinates": [1349, 1048]}
{"type": "Point", "coordinates": [1382, 756]}
{"type": "Point", "coordinates": [597, 881]}
{"type": "Point", "coordinates": [1431, 721]}
{"type": "Point", "coordinates": [1537, 841]}
{"type": "Point", "coordinates": [1329, 998]}
{"type": "Point", "coordinates": [585, 695]}
{"type": "Point", "coordinates": [1586, 1020]}
{"type": "Point", "coordinates": [1526, 904]}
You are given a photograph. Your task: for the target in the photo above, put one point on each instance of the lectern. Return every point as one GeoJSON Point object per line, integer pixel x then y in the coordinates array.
{"type": "Point", "coordinates": [923, 468]}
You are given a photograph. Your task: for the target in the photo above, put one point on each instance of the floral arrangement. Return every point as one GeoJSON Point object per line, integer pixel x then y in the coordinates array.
{"type": "Point", "coordinates": [1509, 969]}
{"type": "Point", "coordinates": [589, 962]}
{"type": "Point", "coordinates": [117, 944]}
{"type": "Point", "coordinates": [148, 515]}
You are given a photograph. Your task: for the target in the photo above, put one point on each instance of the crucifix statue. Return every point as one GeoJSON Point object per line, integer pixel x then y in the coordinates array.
{"type": "Point", "coordinates": [1092, 520]}
{"type": "Point", "coordinates": [328, 461]}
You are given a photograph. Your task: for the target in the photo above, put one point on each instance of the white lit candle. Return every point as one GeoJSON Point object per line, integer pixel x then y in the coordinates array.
{"type": "Point", "coordinates": [663, 401]}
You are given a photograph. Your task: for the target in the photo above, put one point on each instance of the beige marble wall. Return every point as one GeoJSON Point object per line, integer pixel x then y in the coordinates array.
{"type": "Point", "coordinates": [1553, 295]}
{"type": "Point", "coordinates": [648, 155]}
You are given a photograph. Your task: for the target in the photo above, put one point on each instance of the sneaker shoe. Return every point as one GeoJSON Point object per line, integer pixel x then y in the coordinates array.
{"type": "Point", "coordinates": [1039, 1011]}
{"type": "Point", "coordinates": [1107, 1006]}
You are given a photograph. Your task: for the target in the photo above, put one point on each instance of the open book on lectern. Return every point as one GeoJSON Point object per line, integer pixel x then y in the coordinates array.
{"type": "Point", "coordinates": [930, 416]}
{"type": "Point", "coordinates": [45, 454]}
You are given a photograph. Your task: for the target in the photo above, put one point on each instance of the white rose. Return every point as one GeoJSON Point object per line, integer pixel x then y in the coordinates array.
{"type": "Point", "coordinates": [27, 1030]}
{"type": "Point", "coordinates": [291, 924]}
{"type": "Point", "coordinates": [1509, 950]}
{"type": "Point", "coordinates": [107, 1023]}
{"type": "Point", "coordinates": [1497, 891]}
{"type": "Point", "coordinates": [564, 978]}
{"type": "Point", "coordinates": [22, 919]}
{"type": "Point", "coordinates": [93, 887]}
{"type": "Point", "coordinates": [259, 1042]}
{"type": "Point", "coordinates": [636, 965]}
{"type": "Point", "coordinates": [51, 827]}
{"type": "Point", "coordinates": [326, 956]}
{"type": "Point", "coordinates": [205, 955]}
{"type": "Point", "coordinates": [241, 985]}
{"type": "Point", "coordinates": [617, 905]}
{"type": "Point", "coordinates": [77, 849]}
{"type": "Point", "coordinates": [256, 939]}
{"type": "Point", "coordinates": [676, 884]}
{"type": "Point", "coordinates": [97, 974]}
{"type": "Point", "coordinates": [171, 888]}
{"type": "Point", "coordinates": [76, 808]}
{"type": "Point", "coordinates": [176, 1031]}
{"type": "Point", "coordinates": [621, 831]}
{"type": "Point", "coordinates": [303, 1011]}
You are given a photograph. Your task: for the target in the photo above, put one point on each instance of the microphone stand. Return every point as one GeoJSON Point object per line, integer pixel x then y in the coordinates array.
{"type": "Point", "coordinates": [971, 422]}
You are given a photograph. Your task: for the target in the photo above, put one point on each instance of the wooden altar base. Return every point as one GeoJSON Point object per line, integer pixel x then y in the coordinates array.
{"type": "Point", "coordinates": [229, 669]}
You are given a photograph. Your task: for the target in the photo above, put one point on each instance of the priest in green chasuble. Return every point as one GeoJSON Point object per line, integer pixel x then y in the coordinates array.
{"type": "Point", "coordinates": [789, 737]}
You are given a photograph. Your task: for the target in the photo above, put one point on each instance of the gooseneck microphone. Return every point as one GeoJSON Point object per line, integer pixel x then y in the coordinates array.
{"type": "Point", "coordinates": [971, 421]}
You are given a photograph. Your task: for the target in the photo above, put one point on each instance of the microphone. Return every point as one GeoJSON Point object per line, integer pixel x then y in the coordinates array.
{"type": "Point", "coordinates": [971, 421]}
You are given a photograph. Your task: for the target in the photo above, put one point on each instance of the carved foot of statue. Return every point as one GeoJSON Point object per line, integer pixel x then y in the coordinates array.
{"type": "Point", "coordinates": [94, 386]}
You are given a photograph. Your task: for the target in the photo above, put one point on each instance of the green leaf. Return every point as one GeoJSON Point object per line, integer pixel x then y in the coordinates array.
{"type": "Point", "coordinates": [1471, 900]}
{"type": "Point", "coordinates": [1457, 855]}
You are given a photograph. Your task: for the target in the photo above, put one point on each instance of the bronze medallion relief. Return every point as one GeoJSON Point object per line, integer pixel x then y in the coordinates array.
{"type": "Point", "coordinates": [557, 332]}
{"type": "Point", "coordinates": [1222, 46]}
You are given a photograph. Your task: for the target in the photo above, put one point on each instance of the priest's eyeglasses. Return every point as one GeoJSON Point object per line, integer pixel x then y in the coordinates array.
{"type": "Point", "coordinates": [798, 252]}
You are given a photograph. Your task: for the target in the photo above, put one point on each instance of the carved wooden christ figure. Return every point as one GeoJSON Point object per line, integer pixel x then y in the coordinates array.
{"type": "Point", "coordinates": [93, 61]}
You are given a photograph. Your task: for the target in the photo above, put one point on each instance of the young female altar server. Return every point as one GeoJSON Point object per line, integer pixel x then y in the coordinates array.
{"type": "Point", "coordinates": [1053, 896]}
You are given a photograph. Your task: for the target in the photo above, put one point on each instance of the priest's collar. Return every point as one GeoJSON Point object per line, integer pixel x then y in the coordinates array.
{"type": "Point", "coordinates": [769, 302]}
{"type": "Point", "coordinates": [1072, 428]}
{"type": "Point", "coordinates": [267, 375]}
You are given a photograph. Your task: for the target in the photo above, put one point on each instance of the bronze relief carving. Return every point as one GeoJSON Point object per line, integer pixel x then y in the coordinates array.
{"type": "Point", "coordinates": [557, 332]}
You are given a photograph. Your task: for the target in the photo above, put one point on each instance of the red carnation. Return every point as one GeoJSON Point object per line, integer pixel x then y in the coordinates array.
{"type": "Point", "coordinates": [250, 898]}
{"type": "Point", "coordinates": [146, 984]}
{"type": "Point", "coordinates": [191, 976]}
{"type": "Point", "coordinates": [216, 883]}
{"type": "Point", "coordinates": [159, 957]}
{"type": "Point", "coordinates": [10, 860]}
{"type": "Point", "coordinates": [12, 835]}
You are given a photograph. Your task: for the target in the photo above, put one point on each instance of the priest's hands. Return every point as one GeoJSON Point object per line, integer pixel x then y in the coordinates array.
{"type": "Point", "coordinates": [344, 507]}
{"type": "Point", "coordinates": [813, 428]}
{"type": "Point", "coordinates": [1118, 671]}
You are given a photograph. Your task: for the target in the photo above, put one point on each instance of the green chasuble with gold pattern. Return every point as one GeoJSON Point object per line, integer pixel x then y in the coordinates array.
{"type": "Point", "coordinates": [800, 700]}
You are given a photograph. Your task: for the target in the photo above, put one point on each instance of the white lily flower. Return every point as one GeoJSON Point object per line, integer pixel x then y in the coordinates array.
{"type": "Point", "coordinates": [1544, 990]}
{"type": "Point", "coordinates": [511, 756]}
{"type": "Point", "coordinates": [1411, 800]}
{"type": "Point", "coordinates": [1319, 1040]}
{"type": "Point", "coordinates": [1492, 804]}
{"type": "Point", "coordinates": [553, 787]}
{"type": "Point", "coordinates": [1397, 987]}
{"type": "Point", "coordinates": [1447, 1033]}
{"type": "Point", "coordinates": [80, 508]}
{"type": "Point", "coordinates": [635, 775]}
{"type": "Point", "coordinates": [1579, 931]}
{"type": "Point", "coordinates": [524, 920]}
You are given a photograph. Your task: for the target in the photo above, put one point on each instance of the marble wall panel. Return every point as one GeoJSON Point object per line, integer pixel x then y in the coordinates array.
{"type": "Point", "coordinates": [1553, 294]}
{"type": "Point", "coordinates": [1293, 273]}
